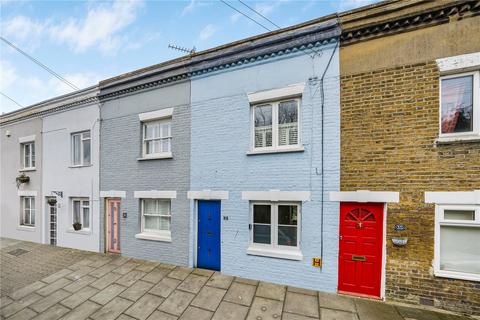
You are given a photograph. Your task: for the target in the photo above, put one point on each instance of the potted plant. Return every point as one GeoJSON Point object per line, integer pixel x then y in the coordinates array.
{"type": "Point", "coordinates": [52, 201]}
{"type": "Point", "coordinates": [22, 179]}
{"type": "Point", "coordinates": [77, 226]}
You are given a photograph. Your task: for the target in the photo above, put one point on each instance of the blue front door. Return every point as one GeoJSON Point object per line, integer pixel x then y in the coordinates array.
{"type": "Point", "coordinates": [208, 246]}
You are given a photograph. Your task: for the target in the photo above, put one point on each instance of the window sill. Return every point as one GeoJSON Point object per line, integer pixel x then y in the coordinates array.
{"type": "Point", "coordinates": [26, 228]}
{"type": "Point", "coordinates": [294, 254]}
{"type": "Point", "coordinates": [82, 231]}
{"type": "Point", "coordinates": [27, 169]}
{"type": "Point", "coordinates": [153, 237]}
{"type": "Point", "coordinates": [166, 155]}
{"type": "Point", "coordinates": [457, 139]}
{"type": "Point", "coordinates": [81, 166]}
{"type": "Point", "coordinates": [268, 151]}
{"type": "Point", "coordinates": [456, 275]}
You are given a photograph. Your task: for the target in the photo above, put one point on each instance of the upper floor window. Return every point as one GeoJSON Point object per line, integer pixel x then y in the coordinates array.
{"type": "Point", "coordinates": [27, 211]}
{"type": "Point", "coordinates": [276, 125]}
{"type": "Point", "coordinates": [81, 149]}
{"type": "Point", "coordinates": [157, 138]}
{"type": "Point", "coordinates": [28, 155]}
{"type": "Point", "coordinates": [81, 212]}
{"type": "Point", "coordinates": [460, 105]}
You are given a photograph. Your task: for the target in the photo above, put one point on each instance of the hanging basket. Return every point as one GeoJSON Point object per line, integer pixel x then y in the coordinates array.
{"type": "Point", "coordinates": [22, 179]}
{"type": "Point", "coordinates": [52, 201]}
{"type": "Point", "coordinates": [77, 226]}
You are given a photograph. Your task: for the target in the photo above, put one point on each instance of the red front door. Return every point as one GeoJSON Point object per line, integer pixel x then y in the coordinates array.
{"type": "Point", "coordinates": [113, 225]}
{"type": "Point", "coordinates": [361, 244]}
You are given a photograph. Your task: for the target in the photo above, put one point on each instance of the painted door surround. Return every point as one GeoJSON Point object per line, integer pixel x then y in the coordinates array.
{"type": "Point", "coordinates": [209, 234]}
{"type": "Point", "coordinates": [52, 221]}
{"type": "Point", "coordinates": [360, 249]}
{"type": "Point", "coordinates": [113, 225]}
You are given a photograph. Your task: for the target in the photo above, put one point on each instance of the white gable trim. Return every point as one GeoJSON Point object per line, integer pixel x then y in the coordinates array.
{"type": "Point", "coordinates": [158, 114]}
{"type": "Point", "coordinates": [365, 196]}
{"type": "Point", "coordinates": [155, 194]}
{"type": "Point", "coordinates": [276, 195]}
{"type": "Point", "coordinates": [27, 193]}
{"type": "Point", "coordinates": [26, 139]}
{"type": "Point", "coordinates": [462, 62]}
{"type": "Point", "coordinates": [208, 195]}
{"type": "Point", "coordinates": [455, 197]}
{"type": "Point", "coordinates": [279, 93]}
{"type": "Point", "coordinates": [113, 194]}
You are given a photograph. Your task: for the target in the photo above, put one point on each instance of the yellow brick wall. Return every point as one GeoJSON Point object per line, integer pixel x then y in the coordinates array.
{"type": "Point", "coordinates": [389, 122]}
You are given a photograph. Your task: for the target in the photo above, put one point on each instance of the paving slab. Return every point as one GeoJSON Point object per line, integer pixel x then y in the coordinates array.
{"type": "Point", "coordinates": [78, 298]}
{"type": "Point", "coordinates": [147, 266]}
{"type": "Point", "coordinates": [271, 291]}
{"type": "Point", "coordinates": [180, 273]}
{"type": "Point", "coordinates": [48, 301]}
{"type": "Point", "coordinates": [302, 304]}
{"type": "Point", "coordinates": [100, 261]}
{"type": "Point", "coordinates": [265, 309]}
{"type": "Point", "coordinates": [373, 310]}
{"type": "Point", "coordinates": [230, 311]}
{"type": "Point", "coordinates": [79, 284]}
{"type": "Point", "coordinates": [292, 316]}
{"type": "Point", "coordinates": [219, 280]}
{"type": "Point", "coordinates": [159, 315]}
{"type": "Point", "coordinates": [18, 305]}
{"type": "Point", "coordinates": [57, 275]}
{"type": "Point", "coordinates": [123, 316]}
{"type": "Point", "coordinates": [156, 275]}
{"type": "Point", "coordinates": [203, 272]}
{"type": "Point", "coordinates": [5, 301]}
{"type": "Point", "coordinates": [54, 286]}
{"type": "Point", "coordinates": [167, 266]}
{"type": "Point", "coordinates": [105, 281]}
{"type": "Point", "coordinates": [136, 290]}
{"type": "Point", "coordinates": [165, 287]}
{"type": "Point", "coordinates": [144, 307]}
{"type": "Point", "coordinates": [193, 283]}
{"type": "Point", "coordinates": [83, 311]}
{"type": "Point", "coordinates": [25, 314]}
{"type": "Point", "coordinates": [240, 293]}
{"type": "Point", "coordinates": [119, 260]}
{"type": "Point", "coordinates": [209, 298]}
{"type": "Point", "coordinates": [193, 313]}
{"type": "Point", "coordinates": [302, 291]}
{"type": "Point", "coordinates": [112, 309]}
{"type": "Point", "coordinates": [53, 313]}
{"type": "Point", "coordinates": [417, 314]}
{"type": "Point", "coordinates": [27, 290]}
{"type": "Point", "coordinates": [246, 281]}
{"type": "Point", "coordinates": [80, 272]}
{"type": "Point", "coordinates": [107, 294]}
{"type": "Point", "coordinates": [335, 301]}
{"type": "Point", "coordinates": [126, 267]}
{"type": "Point", "coordinates": [177, 302]}
{"type": "Point", "coordinates": [331, 314]}
{"type": "Point", "coordinates": [103, 270]}
{"type": "Point", "coordinates": [130, 278]}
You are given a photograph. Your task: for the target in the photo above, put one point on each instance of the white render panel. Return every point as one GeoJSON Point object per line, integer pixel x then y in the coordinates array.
{"type": "Point", "coordinates": [469, 61]}
{"type": "Point", "coordinates": [155, 194]}
{"type": "Point", "coordinates": [26, 139]}
{"type": "Point", "coordinates": [113, 194]}
{"type": "Point", "coordinates": [275, 195]}
{"type": "Point", "coordinates": [278, 93]}
{"type": "Point", "coordinates": [157, 114]}
{"type": "Point", "coordinates": [208, 195]}
{"type": "Point", "coordinates": [455, 197]}
{"type": "Point", "coordinates": [365, 196]}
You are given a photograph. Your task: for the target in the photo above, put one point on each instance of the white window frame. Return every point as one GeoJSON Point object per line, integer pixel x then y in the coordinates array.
{"type": "Point", "coordinates": [440, 221]}
{"type": "Point", "coordinates": [476, 106]}
{"type": "Point", "coordinates": [82, 138]}
{"type": "Point", "coordinates": [82, 206]}
{"type": "Point", "coordinates": [148, 234]}
{"type": "Point", "coordinates": [274, 249]}
{"type": "Point", "coordinates": [157, 155]}
{"type": "Point", "coordinates": [275, 147]}
{"type": "Point", "coordinates": [31, 211]}
{"type": "Point", "coordinates": [31, 158]}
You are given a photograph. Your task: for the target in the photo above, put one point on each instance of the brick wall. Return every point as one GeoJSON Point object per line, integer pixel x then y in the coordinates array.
{"type": "Point", "coordinates": [389, 122]}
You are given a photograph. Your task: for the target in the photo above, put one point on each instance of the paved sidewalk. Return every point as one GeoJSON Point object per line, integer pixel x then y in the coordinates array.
{"type": "Point", "coordinates": [100, 286]}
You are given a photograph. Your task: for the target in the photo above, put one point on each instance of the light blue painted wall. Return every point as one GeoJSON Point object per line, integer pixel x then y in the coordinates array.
{"type": "Point", "coordinates": [220, 138]}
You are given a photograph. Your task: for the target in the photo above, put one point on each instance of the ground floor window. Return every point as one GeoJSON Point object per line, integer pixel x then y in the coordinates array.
{"type": "Point", "coordinates": [457, 239]}
{"type": "Point", "coordinates": [27, 211]}
{"type": "Point", "coordinates": [81, 212]}
{"type": "Point", "coordinates": [156, 216]}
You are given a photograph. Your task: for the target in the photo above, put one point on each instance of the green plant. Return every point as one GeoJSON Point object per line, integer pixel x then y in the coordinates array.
{"type": "Point", "coordinates": [22, 179]}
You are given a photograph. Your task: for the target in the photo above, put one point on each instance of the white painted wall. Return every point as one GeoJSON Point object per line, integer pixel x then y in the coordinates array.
{"type": "Point", "coordinates": [58, 175]}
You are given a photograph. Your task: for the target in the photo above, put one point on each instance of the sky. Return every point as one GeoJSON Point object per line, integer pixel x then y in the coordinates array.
{"type": "Point", "coordinates": [87, 41]}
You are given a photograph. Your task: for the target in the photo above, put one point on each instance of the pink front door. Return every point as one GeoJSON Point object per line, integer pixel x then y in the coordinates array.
{"type": "Point", "coordinates": [113, 225]}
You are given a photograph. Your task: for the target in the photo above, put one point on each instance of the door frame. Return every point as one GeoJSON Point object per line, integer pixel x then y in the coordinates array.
{"type": "Point", "coordinates": [106, 223]}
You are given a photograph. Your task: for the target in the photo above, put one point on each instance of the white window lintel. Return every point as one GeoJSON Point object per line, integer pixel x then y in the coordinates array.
{"type": "Point", "coordinates": [26, 139]}
{"type": "Point", "coordinates": [276, 195]}
{"type": "Point", "coordinates": [458, 63]}
{"type": "Point", "coordinates": [155, 194]}
{"type": "Point", "coordinates": [113, 194]}
{"type": "Point", "coordinates": [27, 193]}
{"type": "Point", "coordinates": [157, 114]}
{"type": "Point", "coordinates": [278, 93]}
{"type": "Point", "coordinates": [208, 195]}
{"type": "Point", "coordinates": [454, 197]}
{"type": "Point", "coordinates": [365, 196]}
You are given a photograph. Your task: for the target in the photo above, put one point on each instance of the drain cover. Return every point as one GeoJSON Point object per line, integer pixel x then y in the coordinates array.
{"type": "Point", "coordinates": [18, 252]}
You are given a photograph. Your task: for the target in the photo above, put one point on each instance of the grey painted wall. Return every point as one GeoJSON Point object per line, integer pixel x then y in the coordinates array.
{"type": "Point", "coordinates": [10, 163]}
{"type": "Point", "coordinates": [120, 147]}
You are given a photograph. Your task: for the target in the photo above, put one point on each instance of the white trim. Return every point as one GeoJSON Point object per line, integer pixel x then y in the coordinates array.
{"type": "Point", "coordinates": [26, 139]}
{"type": "Point", "coordinates": [26, 228]}
{"type": "Point", "coordinates": [276, 195]}
{"type": "Point", "coordinates": [154, 237]}
{"type": "Point", "coordinates": [383, 279]}
{"type": "Point", "coordinates": [113, 194]}
{"type": "Point", "coordinates": [365, 196]}
{"type": "Point", "coordinates": [153, 156]}
{"type": "Point", "coordinates": [85, 231]}
{"type": "Point", "coordinates": [27, 193]}
{"type": "Point", "coordinates": [155, 194]}
{"type": "Point", "coordinates": [208, 195]}
{"type": "Point", "coordinates": [157, 114]}
{"type": "Point", "coordinates": [456, 197]}
{"type": "Point", "coordinates": [295, 148]}
{"type": "Point", "coordinates": [459, 63]}
{"type": "Point", "coordinates": [278, 93]}
{"type": "Point", "coordinates": [275, 252]}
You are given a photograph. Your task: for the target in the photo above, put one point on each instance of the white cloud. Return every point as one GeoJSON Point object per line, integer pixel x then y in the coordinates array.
{"type": "Point", "coordinates": [207, 32]}
{"type": "Point", "coordinates": [189, 7]}
{"type": "Point", "coordinates": [54, 87]}
{"type": "Point", "coordinates": [8, 75]}
{"type": "Point", "coordinates": [22, 27]}
{"type": "Point", "coordinates": [235, 17]}
{"type": "Point", "coordinates": [100, 27]}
